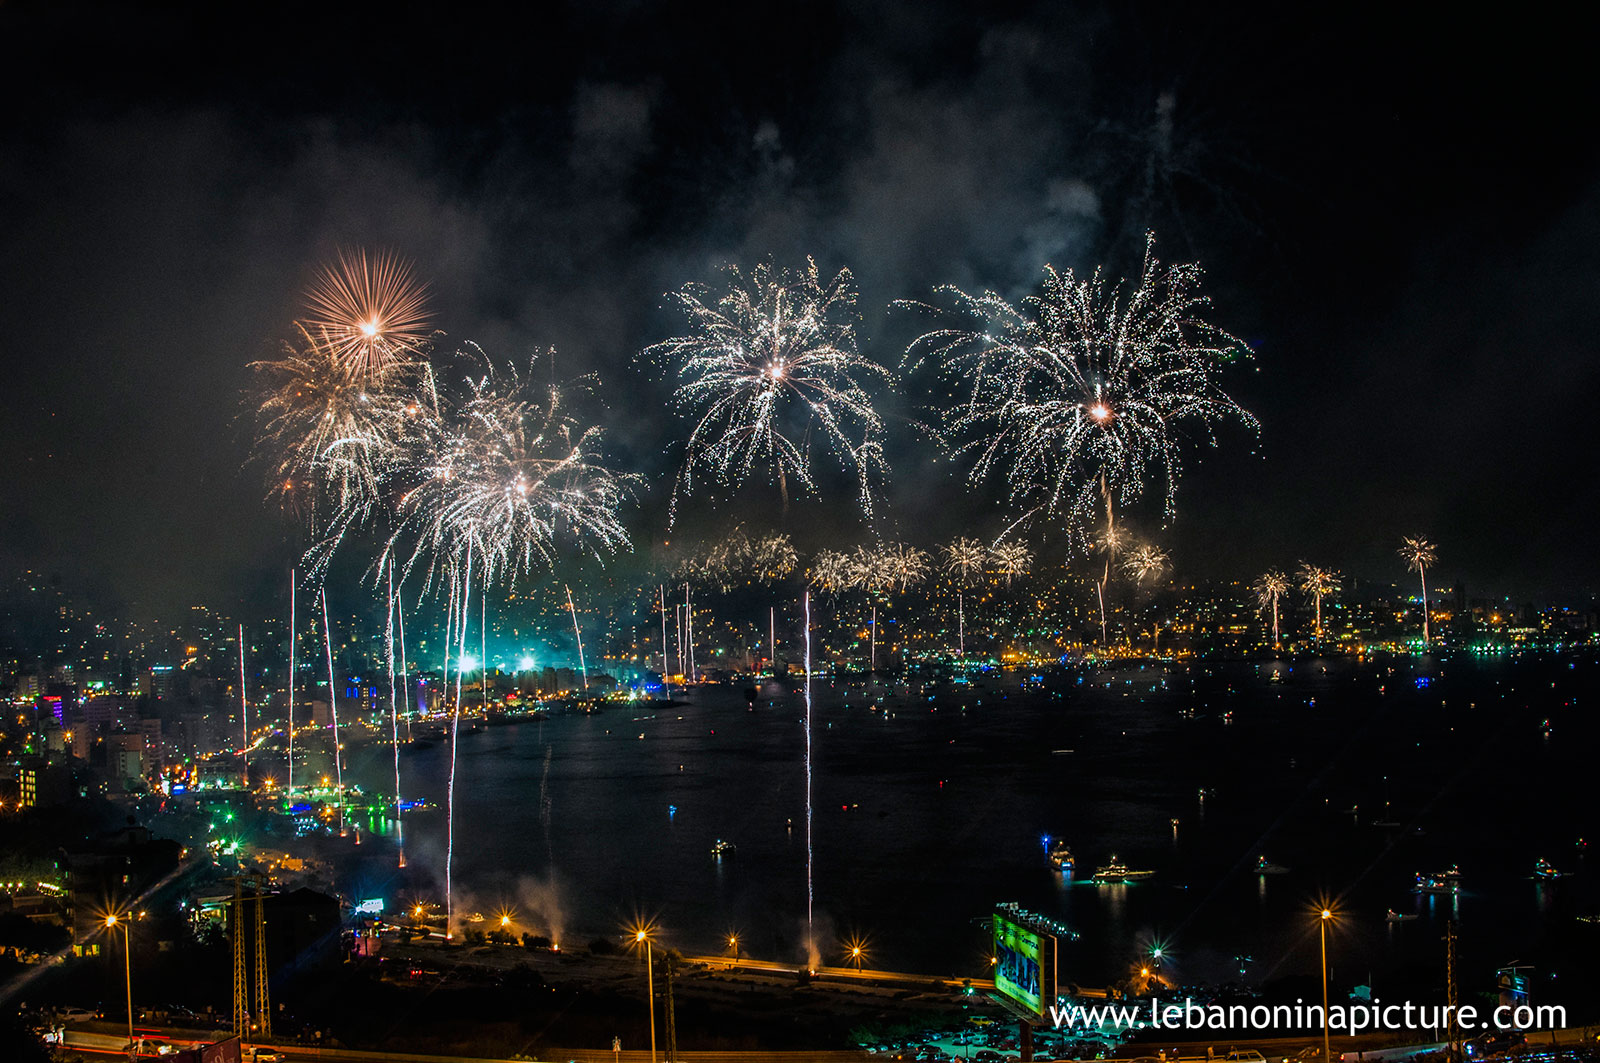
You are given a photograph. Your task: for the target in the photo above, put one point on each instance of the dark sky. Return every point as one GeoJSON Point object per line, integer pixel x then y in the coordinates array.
{"type": "Point", "coordinates": [1401, 217]}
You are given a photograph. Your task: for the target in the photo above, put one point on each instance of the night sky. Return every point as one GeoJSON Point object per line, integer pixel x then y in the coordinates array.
{"type": "Point", "coordinates": [1402, 218]}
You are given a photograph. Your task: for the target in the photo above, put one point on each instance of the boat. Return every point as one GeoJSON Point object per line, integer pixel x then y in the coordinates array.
{"type": "Point", "coordinates": [1543, 868]}
{"type": "Point", "coordinates": [1060, 856]}
{"type": "Point", "coordinates": [723, 848]}
{"type": "Point", "coordinates": [1447, 881]}
{"type": "Point", "coordinates": [1267, 867]}
{"type": "Point", "coordinates": [1117, 872]}
{"type": "Point", "coordinates": [1399, 917]}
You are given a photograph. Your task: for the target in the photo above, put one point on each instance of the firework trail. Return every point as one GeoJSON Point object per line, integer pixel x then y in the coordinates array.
{"type": "Point", "coordinates": [1418, 554]}
{"type": "Point", "coordinates": [545, 809]}
{"type": "Point", "coordinates": [405, 671]}
{"type": "Point", "coordinates": [1077, 395]}
{"type": "Point", "coordinates": [1110, 543]}
{"type": "Point", "coordinates": [292, 677]}
{"type": "Point", "coordinates": [1319, 583]}
{"type": "Point", "coordinates": [963, 560]}
{"type": "Point", "coordinates": [688, 631]}
{"type": "Point", "coordinates": [811, 940]}
{"type": "Point", "coordinates": [1270, 589]}
{"type": "Point", "coordinates": [579, 636]}
{"type": "Point", "coordinates": [394, 716]}
{"type": "Point", "coordinates": [765, 367]}
{"type": "Point", "coordinates": [244, 714]}
{"type": "Point", "coordinates": [333, 707]}
{"type": "Point", "coordinates": [666, 668]}
{"type": "Point", "coordinates": [455, 731]}
{"type": "Point", "coordinates": [369, 311]}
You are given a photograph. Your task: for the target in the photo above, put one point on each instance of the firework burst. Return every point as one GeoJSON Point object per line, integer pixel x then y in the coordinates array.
{"type": "Point", "coordinates": [832, 570]}
{"type": "Point", "coordinates": [1079, 395]}
{"type": "Point", "coordinates": [964, 560]}
{"type": "Point", "coordinates": [501, 471]}
{"type": "Point", "coordinates": [1418, 553]}
{"type": "Point", "coordinates": [737, 558]}
{"type": "Point", "coordinates": [328, 433]}
{"type": "Point", "coordinates": [1146, 562]}
{"type": "Point", "coordinates": [1012, 561]}
{"type": "Point", "coordinates": [765, 368]}
{"type": "Point", "coordinates": [368, 310]}
{"type": "Point", "coordinates": [1319, 583]}
{"type": "Point", "coordinates": [1270, 589]}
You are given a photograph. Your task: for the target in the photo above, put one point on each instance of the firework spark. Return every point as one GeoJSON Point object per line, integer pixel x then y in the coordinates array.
{"type": "Point", "coordinates": [1319, 583]}
{"type": "Point", "coordinates": [502, 470]}
{"type": "Point", "coordinates": [1145, 563]}
{"type": "Point", "coordinates": [1418, 553]}
{"type": "Point", "coordinates": [1078, 395]}
{"type": "Point", "coordinates": [832, 570]}
{"type": "Point", "coordinates": [328, 433]}
{"type": "Point", "coordinates": [766, 367]}
{"type": "Point", "coordinates": [736, 559]}
{"type": "Point", "coordinates": [963, 560]}
{"type": "Point", "coordinates": [1012, 561]}
{"type": "Point", "coordinates": [369, 311]}
{"type": "Point", "coordinates": [1270, 589]}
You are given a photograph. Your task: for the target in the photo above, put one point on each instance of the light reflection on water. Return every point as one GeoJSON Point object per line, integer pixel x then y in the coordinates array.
{"type": "Point", "coordinates": [929, 812]}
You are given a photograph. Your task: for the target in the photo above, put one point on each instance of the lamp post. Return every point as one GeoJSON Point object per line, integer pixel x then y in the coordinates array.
{"type": "Point", "coordinates": [650, 987]}
{"type": "Point", "coordinates": [127, 967]}
{"type": "Point", "coordinates": [1322, 924]}
{"type": "Point", "coordinates": [855, 954]}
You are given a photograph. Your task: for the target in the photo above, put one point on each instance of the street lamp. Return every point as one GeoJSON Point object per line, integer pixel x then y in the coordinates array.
{"type": "Point", "coordinates": [1322, 924]}
{"type": "Point", "coordinates": [855, 954]}
{"type": "Point", "coordinates": [733, 943]}
{"type": "Point", "coordinates": [642, 934]}
{"type": "Point", "coordinates": [127, 966]}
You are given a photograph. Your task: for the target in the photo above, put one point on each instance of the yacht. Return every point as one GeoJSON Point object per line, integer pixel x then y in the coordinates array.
{"type": "Point", "coordinates": [723, 848]}
{"type": "Point", "coordinates": [1543, 868]}
{"type": "Point", "coordinates": [1267, 867]}
{"type": "Point", "coordinates": [1061, 856]}
{"type": "Point", "coordinates": [1446, 881]}
{"type": "Point", "coordinates": [1116, 872]}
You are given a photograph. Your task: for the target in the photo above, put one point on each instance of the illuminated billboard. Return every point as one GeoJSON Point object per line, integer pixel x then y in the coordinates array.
{"type": "Point", "coordinates": [1025, 961]}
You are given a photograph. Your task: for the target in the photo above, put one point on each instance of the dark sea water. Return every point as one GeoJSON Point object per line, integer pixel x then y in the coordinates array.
{"type": "Point", "coordinates": [931, 806]}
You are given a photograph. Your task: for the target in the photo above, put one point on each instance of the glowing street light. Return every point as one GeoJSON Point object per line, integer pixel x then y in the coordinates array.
{"type": "Point", "coordinates": [127, 964]}
{"type": "Point", "coordinates": [857, 947]}
{"type": "Point", "coordinates": [1322, 925]}
{"type": "Point", "coordinates": [642, 934]}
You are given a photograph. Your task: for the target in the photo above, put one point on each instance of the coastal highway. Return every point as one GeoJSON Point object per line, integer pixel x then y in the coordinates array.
{"type": "Point", "coordinates": [867, 974]}
{"type": "Point", "coordinates": [108, 1046]}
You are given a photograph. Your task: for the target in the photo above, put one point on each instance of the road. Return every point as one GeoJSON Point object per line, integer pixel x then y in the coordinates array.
{"type": "Point", "coordinates": [111, 1045]}
{"type": "Point", "coordinates": [867, 974]}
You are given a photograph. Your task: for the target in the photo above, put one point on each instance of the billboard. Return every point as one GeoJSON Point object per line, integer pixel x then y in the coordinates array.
{"type": "Point", "coordinates": [1025, 962]}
